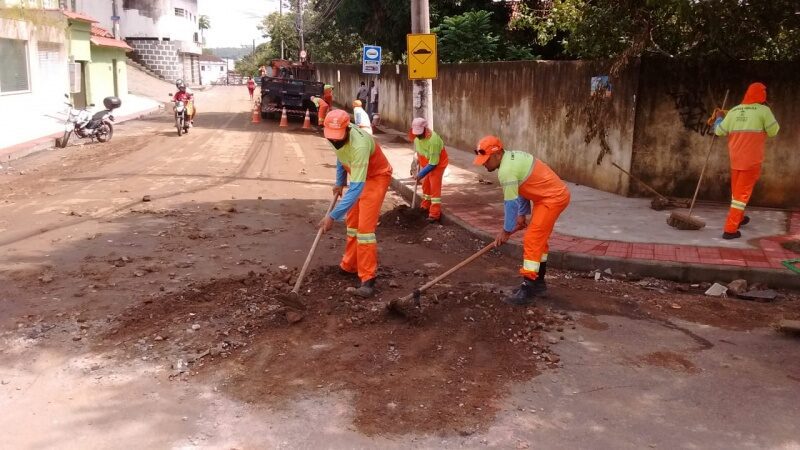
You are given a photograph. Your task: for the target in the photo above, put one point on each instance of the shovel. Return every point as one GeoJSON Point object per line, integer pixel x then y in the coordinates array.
{"type": "Point", "coordinates": [404, 305]}
{"type": "Point", "coordinates": [415, 165]}
{"type": "Point", "coordinates": [292, 299]}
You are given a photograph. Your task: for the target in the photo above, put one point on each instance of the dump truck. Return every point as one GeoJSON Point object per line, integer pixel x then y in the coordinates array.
{"type": "Point", "coordinates": [289, 85]}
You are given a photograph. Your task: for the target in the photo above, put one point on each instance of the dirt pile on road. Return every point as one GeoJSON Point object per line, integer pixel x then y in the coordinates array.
{"type": "Point", "coordinates": [444, 372]}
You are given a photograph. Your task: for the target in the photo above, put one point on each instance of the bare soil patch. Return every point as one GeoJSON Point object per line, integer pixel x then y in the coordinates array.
{"type": "Point", "coordinates": [441, 373]}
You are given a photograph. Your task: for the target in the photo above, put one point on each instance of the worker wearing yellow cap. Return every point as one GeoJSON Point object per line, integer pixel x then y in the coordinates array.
{"type": "Point", "coordinates": [524, 179]}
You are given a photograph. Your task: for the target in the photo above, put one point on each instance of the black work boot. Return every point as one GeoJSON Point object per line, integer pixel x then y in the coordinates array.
{"type": "Point", "coordinates": [539, 284]}
{"type": "Point", "coordinates": [745, 220]}
{"type": "Point", "coordinates": [524, 295]}
{"type": "Point", "coordinates": [730, 236]}
{"type": "Point", "coordinates": [367, 289]}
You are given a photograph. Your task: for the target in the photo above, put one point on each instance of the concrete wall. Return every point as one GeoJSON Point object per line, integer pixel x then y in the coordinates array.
{"type": "Point", "coordinates": [101, 75]}
{"type": "Point", "coordinates": [532, 106]}
{"type": "Point", "coordinates": [79, 44]}
{"type": "Point", "coordinates": [671, 138]}
{"type": "Point", "coordinates": [160, 57]}
{"type": "Point", "coordinates": [655, 127]}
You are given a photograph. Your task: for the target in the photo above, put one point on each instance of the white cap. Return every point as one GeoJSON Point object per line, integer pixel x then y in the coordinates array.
{"type": "Point", "coordinates": [418, 125]}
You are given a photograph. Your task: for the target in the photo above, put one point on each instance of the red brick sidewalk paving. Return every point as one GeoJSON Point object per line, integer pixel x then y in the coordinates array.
{"type": "Point", "coordinates": [478, 209]}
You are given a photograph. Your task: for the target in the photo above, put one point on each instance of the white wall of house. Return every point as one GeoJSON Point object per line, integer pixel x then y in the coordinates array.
{"type": "Point", "coordinates": [45, 66]}
{"type": "Point", "coordinates": [175, 20]}
{"type": "Point", "coordinates": [213, 72]}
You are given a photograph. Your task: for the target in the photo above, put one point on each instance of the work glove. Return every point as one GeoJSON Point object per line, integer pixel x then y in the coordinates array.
{"type": "Point", "coordinates": [718, 114]}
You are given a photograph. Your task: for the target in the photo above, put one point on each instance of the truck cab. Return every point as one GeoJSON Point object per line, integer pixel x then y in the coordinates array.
{"type": "Point", "coordinates": [289, 85]}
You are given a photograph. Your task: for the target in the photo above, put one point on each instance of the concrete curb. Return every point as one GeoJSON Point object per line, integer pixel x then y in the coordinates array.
{"type": "Point", "coordinates": [47, 142]}
{"type": "Point", "coordinates": [675, 271]}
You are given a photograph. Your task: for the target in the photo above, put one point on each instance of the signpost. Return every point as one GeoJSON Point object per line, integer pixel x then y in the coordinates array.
{"type": "Point", "coordinates": [423, 59]}
{"type": "Point", "coordinates": [371, 62]}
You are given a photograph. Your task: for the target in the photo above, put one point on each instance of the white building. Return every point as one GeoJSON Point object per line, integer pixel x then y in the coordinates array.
{"type": "Point", "coordinates": [164, 34]}
{"type": "Point", "coordinates": [213, 70]}
{"type": "Point", "coordinates": [34, 71]}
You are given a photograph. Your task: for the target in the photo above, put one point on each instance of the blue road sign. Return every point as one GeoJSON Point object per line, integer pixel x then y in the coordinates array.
{"type": "Point", "coordinates": [371, 62]}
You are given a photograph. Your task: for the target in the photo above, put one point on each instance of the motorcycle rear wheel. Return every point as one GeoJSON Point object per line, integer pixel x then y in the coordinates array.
{"type": "Point", "coordinates": [105, 132]}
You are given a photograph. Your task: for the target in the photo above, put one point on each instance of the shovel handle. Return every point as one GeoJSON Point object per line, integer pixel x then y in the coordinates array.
{"type": "Point", "coordinates": [302, 275]}
{"type": "Point", "coordinates": [708, 156]}
{"type": "Point", "coordinates": [455, 268]}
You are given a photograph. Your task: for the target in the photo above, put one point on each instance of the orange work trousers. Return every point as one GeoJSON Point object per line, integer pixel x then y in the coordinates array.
{"type": "Point", "coordinates": [543, 219]}
{"type": "Point", "coordinates": [361, 251]}
{"type": "Point", "coordinates": [432, 192]}
{"type": "Point", "coordinates": [742, 184]}
{"type": "Point", "coordinates": [323, 111]}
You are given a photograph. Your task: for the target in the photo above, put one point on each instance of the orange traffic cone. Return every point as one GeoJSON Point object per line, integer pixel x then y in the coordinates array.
{"type": "Point", "coordinates": [284, 119]}
{"type": "Point", "coordinates": [256, 113]}
{"type": "Point", "coordinates": [307, 122]}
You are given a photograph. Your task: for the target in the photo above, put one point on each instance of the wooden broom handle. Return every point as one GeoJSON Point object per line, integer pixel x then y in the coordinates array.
{"type": "Point", "coordinates": [708, 156]}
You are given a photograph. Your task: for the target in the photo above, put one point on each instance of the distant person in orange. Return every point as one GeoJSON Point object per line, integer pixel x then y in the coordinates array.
{"type": "Point", "coordinates": [251, 86]}
{"type": "Point", "coordinates": [748, 125]}
{"type": "Point", "coordinates": [524, 179]}
{"type": "Point", "coordinates": [433, 162]}
{"type": "Point", "coordinates": [322, 109]}
{"type": "Point", "coordinates": [359, 157]}
{"type": "Point", "coordinates": [327, 94]}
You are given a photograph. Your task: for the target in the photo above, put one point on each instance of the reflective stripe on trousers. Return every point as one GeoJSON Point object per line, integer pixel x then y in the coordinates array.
{"type": "Point", "coordinates": [742, 184]}
{"type": "Point", "coordinates": [361, 251]}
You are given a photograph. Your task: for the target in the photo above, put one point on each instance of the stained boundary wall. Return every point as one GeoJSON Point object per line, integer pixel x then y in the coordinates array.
{"type": "Point", "coordinates": [654, 126]}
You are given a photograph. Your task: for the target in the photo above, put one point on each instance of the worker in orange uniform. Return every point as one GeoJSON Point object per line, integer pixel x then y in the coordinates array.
{"type": "Point", "coordinates": [748, 125]}
{"type": "Point", "coordinates": [322, 109]}
{"type": "Point", "coordinates": [359, 156]}
{"type": "Point", "coordinates": [433, 160]}
{"type": "Point", "coordinates": [327, 94]}
{"type": "Point", "coordinates": [525, 179]}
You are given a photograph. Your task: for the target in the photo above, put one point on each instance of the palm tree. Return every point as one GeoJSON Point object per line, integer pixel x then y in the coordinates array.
{"type": "Point", "coordinates": [204, 23]}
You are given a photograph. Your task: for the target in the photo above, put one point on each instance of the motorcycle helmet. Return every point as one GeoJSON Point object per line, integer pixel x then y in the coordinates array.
{"type": "Point", "coordinates": [178, 82]}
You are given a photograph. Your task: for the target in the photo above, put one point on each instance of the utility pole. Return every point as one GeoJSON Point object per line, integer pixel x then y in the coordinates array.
{"type": "Point", "coordinates": [300, 24]}
{"type": "Point", "coordinates": [422, 90]}
{"type": "Point", "coordinates": [280, 12]}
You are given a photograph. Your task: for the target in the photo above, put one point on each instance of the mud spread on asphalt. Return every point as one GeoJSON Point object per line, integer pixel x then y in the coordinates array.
{"type": "Point", "coordinates": [443, 372]}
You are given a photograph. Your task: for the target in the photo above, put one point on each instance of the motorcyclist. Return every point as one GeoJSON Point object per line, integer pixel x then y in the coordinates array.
{"type": "Point", "coordinates": [186, 96]}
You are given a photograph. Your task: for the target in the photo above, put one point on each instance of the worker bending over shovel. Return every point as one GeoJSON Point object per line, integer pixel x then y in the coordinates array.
{"type": "Point", "coordinates": [748, 125]}
{"type": "Point", "coordinates": [360, 157]}
{"type": "Point", "coordinates": [433, 160]}
{"type": "Point", "coordinates": [525, 179]}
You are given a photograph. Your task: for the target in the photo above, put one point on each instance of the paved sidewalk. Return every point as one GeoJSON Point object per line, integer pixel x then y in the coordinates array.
{"type": "Point", "coordinates": [601, 230]}
{"type": "Point", "coordinates": [35, 131]}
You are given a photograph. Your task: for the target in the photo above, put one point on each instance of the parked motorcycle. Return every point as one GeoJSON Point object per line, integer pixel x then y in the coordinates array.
{"type": "Point", "coordinates": [84, 124]}
{"type": "Point", "coordinates": [181, 117]}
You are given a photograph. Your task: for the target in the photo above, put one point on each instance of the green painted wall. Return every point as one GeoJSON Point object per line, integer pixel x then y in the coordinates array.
{"type": "Point", "coordinates": [79, 47]}
{"type": "Point", "coordinates": [100, 81]}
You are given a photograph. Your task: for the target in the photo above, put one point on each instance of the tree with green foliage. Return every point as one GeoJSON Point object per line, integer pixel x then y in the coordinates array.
{"type": "Point", "coordinates": [730, 29]}
{"type": "Point", "coordinates": [467, 37]}
{"type": "Point", "coordinates": [203, 23]}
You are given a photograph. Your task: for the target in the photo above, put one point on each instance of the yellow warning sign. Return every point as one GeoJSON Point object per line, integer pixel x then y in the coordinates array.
{"type": "Point", "coordinates": [423, 60]}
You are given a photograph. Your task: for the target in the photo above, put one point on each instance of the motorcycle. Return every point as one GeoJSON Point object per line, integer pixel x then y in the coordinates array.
{"type": "Point", "coordinates": [84, 124]}
{"type": "Point", "coordinates": [181, 117]}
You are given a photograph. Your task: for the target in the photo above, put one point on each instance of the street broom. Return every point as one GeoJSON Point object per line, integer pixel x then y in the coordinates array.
{"type": "Point", "coordinates": [406, 306]}
{"type": "Point", "coordinates": [685, 221]}
{"type": "Point", "coordinates": [292, 299]}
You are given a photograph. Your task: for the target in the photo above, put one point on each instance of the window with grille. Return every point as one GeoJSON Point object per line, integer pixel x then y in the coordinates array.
{"type": "Point", "coordinates": [14, 69]}
{"type": "Point", "coordinates": [180, 12]}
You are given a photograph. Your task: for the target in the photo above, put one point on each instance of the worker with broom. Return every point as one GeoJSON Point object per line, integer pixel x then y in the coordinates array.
{"type": "Point", "coordinates": [525, 178]}
{"type": "Point", "coordinates": [433, 160]}
{"type": "Point", "coordinates": [747, 126]}
{"type": "Point", "coordinates": [360, 157]}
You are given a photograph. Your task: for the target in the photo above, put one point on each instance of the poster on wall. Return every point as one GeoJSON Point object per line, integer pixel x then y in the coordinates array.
{"type": "Point", "coordinates": [600, 85]}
